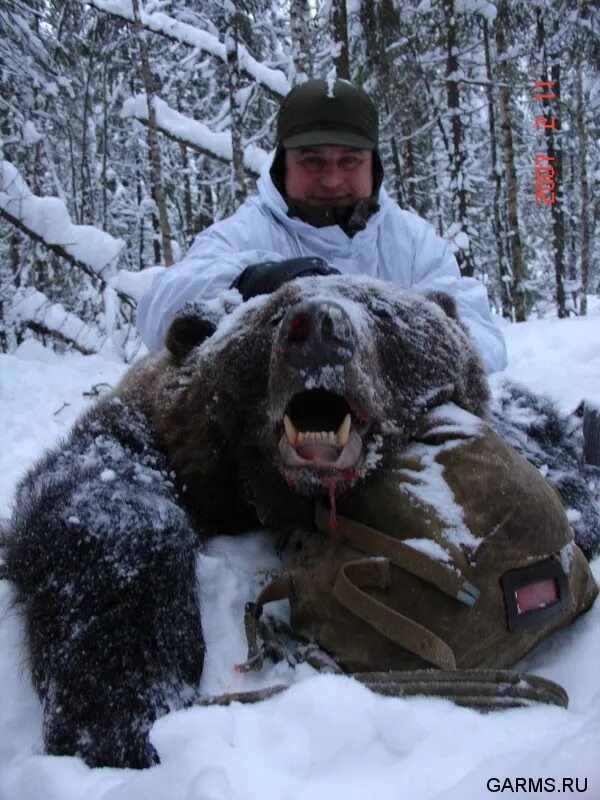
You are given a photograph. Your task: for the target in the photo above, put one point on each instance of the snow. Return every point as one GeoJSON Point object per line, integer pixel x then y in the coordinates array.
{"type": "Point", "coordinates": [135, 284]}
{"type": "Point", "coordinates": [31, 135]}
{"type": "Point", "coordinates": [430, 548]}
{"type": "Point", "coordinates": [457, 237]}
{"type": "Point", "coordinates": [273, 79]}
{"type": "Point", "coordinates": [570, 368]}
{"type": "Point", "coordinates": [49, 219]}
{"type": "Point", "coordinates": [326, 736]}
{"type": "Point", "coordinates": [31, 305]}
{"type": "Point", "coordinates": [429, 487]}
{"type": "Point", "coordinates": [487, 10]}
{"type": "Point", "coordinates": [199, 135]}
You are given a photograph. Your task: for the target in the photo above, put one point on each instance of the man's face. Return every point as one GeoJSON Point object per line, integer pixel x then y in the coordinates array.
{"type": "Point", "coordinates": [328, 175]}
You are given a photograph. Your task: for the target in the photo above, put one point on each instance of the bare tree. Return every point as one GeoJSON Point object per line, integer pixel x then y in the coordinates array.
{"type": "Point", "coordinates": [299, 31]}
{"type": "Point", "coordinates": [380, 26]}
{"type": "Point", "coordinates": [153, 143]}
{"type": "Point", "coordinates": [583, 188]}
{"type": "Point", "coordinates": [233, 84]}
{"type": "Point", "coordinates": [457, 151]}
{"type": "Point", "coordinates": [498, 216]}
{"type": "Point", "coordinates": [512, 188]}
{"type": "Point", "coordinates": [339, 34]}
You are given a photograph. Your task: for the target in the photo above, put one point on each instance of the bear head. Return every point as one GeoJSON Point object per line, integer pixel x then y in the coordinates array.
{"type": "Point", "coordinates": [264, 404]}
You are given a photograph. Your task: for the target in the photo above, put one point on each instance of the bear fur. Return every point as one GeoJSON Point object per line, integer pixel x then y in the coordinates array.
{"type": "Point", "coordinates": [102, 543]}
{"type": "Point", "coordinates": [554, 444]}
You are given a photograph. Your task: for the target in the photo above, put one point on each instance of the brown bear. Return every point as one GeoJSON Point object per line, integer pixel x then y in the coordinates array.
{"type": "Point", "coordinates": [250, 412]}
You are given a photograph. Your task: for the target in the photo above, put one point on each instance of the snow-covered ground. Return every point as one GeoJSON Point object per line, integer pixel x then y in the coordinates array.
{"type": "Point", "coordinates": [326, 737]}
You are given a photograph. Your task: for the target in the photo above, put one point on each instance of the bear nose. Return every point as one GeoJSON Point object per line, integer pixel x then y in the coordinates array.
{"type": "Point", "coordinates": [316, 334]}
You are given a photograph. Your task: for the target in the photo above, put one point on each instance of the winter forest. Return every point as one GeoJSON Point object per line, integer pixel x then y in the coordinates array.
{"type": "Point", "coordinates": [149, 120]}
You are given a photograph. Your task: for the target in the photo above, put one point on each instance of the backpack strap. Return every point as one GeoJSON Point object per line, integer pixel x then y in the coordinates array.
{"type": "Point", "coordinates": [372, 572]}
{"type": "Point", "coordinates": [279, 588]}
{"type": "Point", "coordinates": [348, 592]}
{"type": "Point", "coordinates": [479, 689]}
{"type": "Point", "coordinates": [394, 626]}
{"type": "Point", "coordinates": [448, 579]}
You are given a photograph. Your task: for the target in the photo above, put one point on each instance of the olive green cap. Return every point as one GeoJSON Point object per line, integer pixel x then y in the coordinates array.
{"type": "Point", "coordinates": [319, 113]}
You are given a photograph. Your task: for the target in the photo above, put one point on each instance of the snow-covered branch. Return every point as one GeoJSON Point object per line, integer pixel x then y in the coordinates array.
{"type": "Point", "coordinates": [273, 80]}
{"type": "Point", "coordinates": [197, 135]}
{"type": "Point", "coordinates": [33, 309]}
{"type": "Point", "coordinates": [47, 220]}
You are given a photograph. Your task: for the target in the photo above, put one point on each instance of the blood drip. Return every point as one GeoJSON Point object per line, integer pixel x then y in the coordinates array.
{"type": "Point", "coordinates": [329, 483]}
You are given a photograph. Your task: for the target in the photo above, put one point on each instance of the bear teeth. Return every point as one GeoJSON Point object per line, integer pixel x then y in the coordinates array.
{"type": "Point", "coordinates": [297, 437]}
{"type": "Point", "coordinates": [343, 433]}
{"type": "Point", "coordinates": [291, 431]}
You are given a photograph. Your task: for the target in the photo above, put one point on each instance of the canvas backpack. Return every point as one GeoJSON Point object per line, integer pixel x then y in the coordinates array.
{"type": "Point", "coordinates": [458, 556]}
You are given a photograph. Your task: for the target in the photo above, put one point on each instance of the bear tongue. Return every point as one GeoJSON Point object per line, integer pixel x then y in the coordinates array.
{"type": "Point", "coordinates": [321, 452]}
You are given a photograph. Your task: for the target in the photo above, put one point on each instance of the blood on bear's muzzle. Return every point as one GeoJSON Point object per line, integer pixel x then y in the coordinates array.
{"type": "Point", "coordinates": [316, 334]}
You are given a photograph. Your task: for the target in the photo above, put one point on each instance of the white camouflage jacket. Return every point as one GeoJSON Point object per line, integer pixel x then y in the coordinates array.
{"type": "Point", "coordinates": [396, 246]}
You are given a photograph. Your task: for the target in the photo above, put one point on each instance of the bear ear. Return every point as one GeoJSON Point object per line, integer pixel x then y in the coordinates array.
{"type": "Point", "coordinates": [446, 302]}
{"type": "Point", "coordinates": [188, 330]}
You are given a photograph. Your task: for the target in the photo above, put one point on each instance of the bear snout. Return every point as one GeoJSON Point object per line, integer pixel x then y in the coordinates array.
{"type": "Point", "coordinates": [316, 334]}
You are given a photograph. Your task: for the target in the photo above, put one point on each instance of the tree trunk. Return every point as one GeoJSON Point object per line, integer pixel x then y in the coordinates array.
{"type": "Point", "coordinates": [153, 144]}
{"type": "Point", "coordinates": [299, 30]}
{"type": "Point", "coordinates": [514, 235]}
{"type": "Point", "coordinates": [504, 270]}
{"type": "Point", "coordinates": [554, 144]}
{"type": "Point", "coordinates": [73, 177]}
{"type": "Point", "coordinates": [457, 153]}
{"type": "Point", "coordinates": [591, 435]}
{"type": "Point", "coordinates": [3, 334]}
{"type": "Point", "coordinates": [188, 209]}
{"type": "Point", "coordinates": [86, 210]}
{"type": "Point", "coordinates": [105, 131]}
{"type": "Point", "coordinates": [571, 201]}
{"type": "Point", "coordinates": [388, 26]}
{"type": "Point", "coordinates": [233, 84]}
{"type": "Point", "coordinates": [156, 237]}
{"type": "Point", "coordinates": [437, 192]}
{"type": "Point", "coordinates": [139, 196]}
{"type": "Point", "coordinates": [339, 34]}
{"type": "Point", "coordinates": [379, 23]}
{"type": "Point", "coordinates": [584, 190]}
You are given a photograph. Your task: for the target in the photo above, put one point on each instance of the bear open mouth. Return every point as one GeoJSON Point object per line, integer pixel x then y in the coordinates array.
{"type": "Point", "coordinates": [321, 432]}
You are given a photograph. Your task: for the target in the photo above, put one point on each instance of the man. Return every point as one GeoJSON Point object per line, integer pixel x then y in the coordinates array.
{"type": "Point", "coordinates": [320, 208]}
